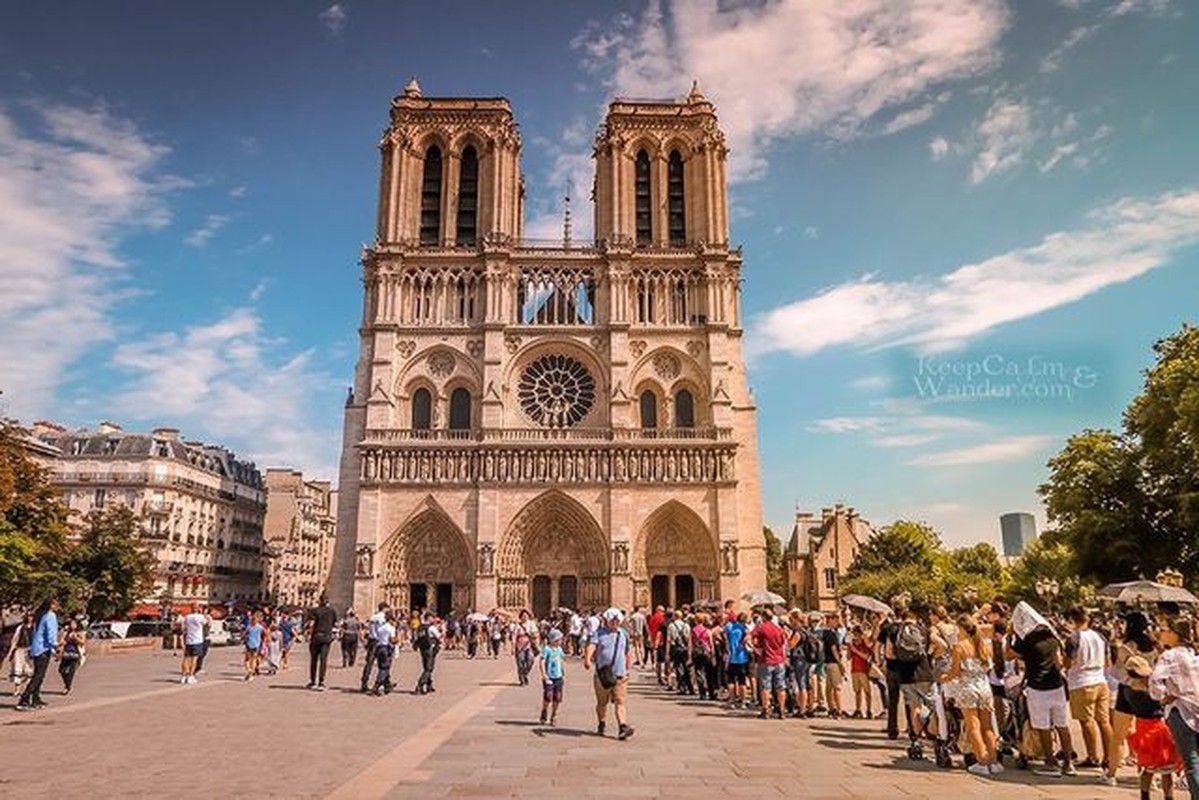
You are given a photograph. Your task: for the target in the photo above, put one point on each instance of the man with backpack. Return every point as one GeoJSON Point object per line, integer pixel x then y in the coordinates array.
{"type": "Point", "coordinates": [909, 672]}
{"type": "Point", "coordinates": [427, 642]}
{"type": "Point", "coordinates": [372, 638]}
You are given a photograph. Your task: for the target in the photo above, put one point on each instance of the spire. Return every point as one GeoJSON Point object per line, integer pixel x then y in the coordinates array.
{"type": "Point", "coordinates": [412, 88]}
{"type": "Point", "coordinates": [695, 95]}
{"type": "Point", "coordinates": [566, 218]}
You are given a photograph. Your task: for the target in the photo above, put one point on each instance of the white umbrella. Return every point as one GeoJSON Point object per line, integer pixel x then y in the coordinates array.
{"type": "Point", "coordinates": [866, 603]}
{"type": "Point", "coordinates": [1147, 592]}
{"type": "Point", "coordinates": [761, 597]}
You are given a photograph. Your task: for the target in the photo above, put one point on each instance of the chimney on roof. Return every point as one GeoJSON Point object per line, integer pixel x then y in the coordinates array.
{"type": "Point", "coordinates": [826, 514]}
{"type": "Point", "coordinates": [109, 427]}
{"type": "Point", "coordinates": [43, 427]}
{"type": "Point", "coordinates": [169, 434]}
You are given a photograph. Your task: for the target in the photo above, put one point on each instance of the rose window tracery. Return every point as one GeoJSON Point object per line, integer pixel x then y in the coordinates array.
{"type": "Point", "coordinates": [556, 391]}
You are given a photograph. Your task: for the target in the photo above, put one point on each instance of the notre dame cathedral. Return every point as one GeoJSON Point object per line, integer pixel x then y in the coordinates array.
{"type": "Point", "coordinates": [540, 424]}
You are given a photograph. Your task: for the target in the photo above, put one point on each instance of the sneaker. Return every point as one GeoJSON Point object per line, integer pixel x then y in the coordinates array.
{"type": "Point", "coordinates": [553, 721]}
{"type": "Point", "coordinates": [24, 707]}
{"type": "Point", "coordinates": [183, 679]}
{"type": "Point", "coordinates": [1068, 769]}
{"type": "Point", "coordinates": [310, 686]}
{"type": "Point", "coordinates": [39, 704]}
{"type": "Point", "coordinates": [996, 768]}
{"type": "Point", "coordinates": [762, 714]}
{"type": "Point", "coordinates": [542, 718]}
{"type": "Point", "coordinates": [1089, 764]}
{"type": "Point", "coordinates": [978, 769]}
{"type": "Point", "coordinates": [625, 732]}
{"type": "Point", "coordinates": [1108, 780]}
{"type": "Point", "coordinates": [599, 729]}
{"type": "Point", "coordinates": [320, 687]}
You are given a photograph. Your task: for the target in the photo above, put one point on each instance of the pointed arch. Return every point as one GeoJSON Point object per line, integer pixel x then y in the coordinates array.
{"type": "Point", "coordinates": [428, 550]}
{"type": "Point", "coordinates": [673, 544]}
{"type": "Point", "coordinates": [553, 537]}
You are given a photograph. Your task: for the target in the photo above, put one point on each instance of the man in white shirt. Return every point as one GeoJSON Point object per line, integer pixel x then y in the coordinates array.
{"type": "Point", "coordinates": [376, 620]}
{"type": "Point", "coordinates": [194, 626]}
{"type": "Point", "coordinates": [1090, 699]}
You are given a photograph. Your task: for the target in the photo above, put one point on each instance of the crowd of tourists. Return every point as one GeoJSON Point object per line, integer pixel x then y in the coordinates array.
{"type": "Point", "coordinates": [39, 638]}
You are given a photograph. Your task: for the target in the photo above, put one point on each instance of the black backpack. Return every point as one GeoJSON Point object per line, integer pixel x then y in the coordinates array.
{"type": "Point", "coordinates": [421, 639]}
{"type": "Point", "coordinates": [910, 644]}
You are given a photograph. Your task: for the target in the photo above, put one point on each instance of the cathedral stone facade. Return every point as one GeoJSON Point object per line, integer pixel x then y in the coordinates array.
{"type": "Point", "coordinates": [544, 424]}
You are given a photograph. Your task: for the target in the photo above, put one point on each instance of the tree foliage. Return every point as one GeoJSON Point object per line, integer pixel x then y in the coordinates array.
{"type": "Point", "coordinates": [111, 563]}
{"type": "Point", "coordinates": [776, 565]}
{"type": "Point", "coordinates": [1127, 504]}
{"type": "Point", "coordinates": [33, 524]}
{"type": "Point", "coordinates": [900, 544]}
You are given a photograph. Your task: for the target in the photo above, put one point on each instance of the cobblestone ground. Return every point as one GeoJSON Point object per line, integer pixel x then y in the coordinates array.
{"type": "Point", "coordinates": [130, 729]}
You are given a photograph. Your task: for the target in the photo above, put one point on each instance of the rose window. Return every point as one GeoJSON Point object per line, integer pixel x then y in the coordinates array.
{"type": "Point", "coordinates": [556, 391]}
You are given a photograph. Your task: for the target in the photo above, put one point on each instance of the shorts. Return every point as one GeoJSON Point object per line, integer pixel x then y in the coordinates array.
{"type": "Point", "coordinates": [1047, 708]}
{"type": "Point", "coordinates": [738, 674]}
{"type": "Point", "coordinates": [660, 654]}
{"type": "Point", "coordinates": [1091, 703]}
{"type": "Point", "coordinates": [193, 650]}
{"type": "Point", "coordinates": [801, 671]}
{"type": "Point", "coordinates": [914, 694]}
{"type": "Point", "coordinates": [617, 694]}
{"type": "Point", "coordinates": [834, 673]}
{"type": "Point", "coordinates": [771, 677]}
{"type": "Point", "coordinates": [861, 681]}
{"type": "Point", "coordinates": [551, 690]}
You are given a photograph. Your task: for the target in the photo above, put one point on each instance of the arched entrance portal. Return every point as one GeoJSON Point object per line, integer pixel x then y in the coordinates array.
{"type": "Point", "coordinates": [428, 565]}
{"type": "Point", "coordinates": [553, 554]}
{"type": "Point", "coordinates": [674, 561]}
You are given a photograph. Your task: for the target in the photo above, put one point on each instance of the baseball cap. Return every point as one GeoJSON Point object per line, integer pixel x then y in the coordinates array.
{"type": "Point", "coordinates": [554, 635]}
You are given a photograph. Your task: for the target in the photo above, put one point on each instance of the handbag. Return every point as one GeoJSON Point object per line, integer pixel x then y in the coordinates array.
{"type": "Point", "coordinates": [607, 673]}
{"type": "Point", "coordinates": [875, 674]}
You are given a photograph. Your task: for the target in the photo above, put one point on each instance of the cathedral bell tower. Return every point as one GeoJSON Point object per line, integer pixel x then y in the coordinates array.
{"type": "Point", "coordinates": [545, 424]}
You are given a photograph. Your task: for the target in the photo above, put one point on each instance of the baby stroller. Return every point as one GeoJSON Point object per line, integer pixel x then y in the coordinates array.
{"type": "Point", "coordinates": [935, 721]}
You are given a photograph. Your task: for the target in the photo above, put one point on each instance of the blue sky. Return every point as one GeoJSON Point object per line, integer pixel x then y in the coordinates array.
{"type": "Point", "coordinates": [964, 223]}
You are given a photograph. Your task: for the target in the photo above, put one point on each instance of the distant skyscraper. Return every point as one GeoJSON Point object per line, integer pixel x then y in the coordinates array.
{"type": "Point", "coordinates": [1019, 531]}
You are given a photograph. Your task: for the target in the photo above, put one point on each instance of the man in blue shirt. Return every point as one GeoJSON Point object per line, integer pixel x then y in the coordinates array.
{"type": "Point", "coordinates": [735, 634]}
{"type": "Point", "coordinates": [608, 649]}
{"type": "Point", "coordinates": [45, 642]}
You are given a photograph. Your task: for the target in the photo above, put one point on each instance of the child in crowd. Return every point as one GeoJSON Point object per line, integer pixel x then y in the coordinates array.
{"type": "Point", "coordinates": [553, 658]}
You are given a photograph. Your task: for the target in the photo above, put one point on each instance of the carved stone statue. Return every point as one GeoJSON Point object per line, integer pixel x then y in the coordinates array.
{"type": "Point", "coordinates": [366, 558]}
{"type": "Point", "coordinates": [486, 559]}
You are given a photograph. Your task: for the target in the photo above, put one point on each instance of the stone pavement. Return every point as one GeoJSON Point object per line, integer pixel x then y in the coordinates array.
{"type": "Point", "coordinates": [130, 729]}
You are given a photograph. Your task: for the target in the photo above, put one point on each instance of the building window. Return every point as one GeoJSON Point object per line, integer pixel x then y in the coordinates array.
{"type": "Point", "coordinates": [430, 198]}
{"type": "Point", "coordinates": [460, 410]}
{"type": "Point", "coordinates": [684, 409]}
{"type": "Point", "coordinates": [649, 410]}
{"type": "Point", "coordinates": [676, 224]}
{"type": "Point", "coordinates": [468, 198]}
{"type": "Point", "coordinates": [100, 496]}
{"type": "Point", "coordinates": [642, 204]}
{"type": "Point", "coordinates": [830, 578]}
{"type": "Point", "coordinates": [422, 410]}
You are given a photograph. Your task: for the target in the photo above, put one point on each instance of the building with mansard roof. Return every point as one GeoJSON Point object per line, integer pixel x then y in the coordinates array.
{"type": "Point", "coordinates": [538, 424]}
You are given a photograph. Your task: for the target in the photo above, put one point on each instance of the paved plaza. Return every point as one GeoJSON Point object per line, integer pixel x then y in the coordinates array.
{"type": "Point", "coordinates": [130, 729]}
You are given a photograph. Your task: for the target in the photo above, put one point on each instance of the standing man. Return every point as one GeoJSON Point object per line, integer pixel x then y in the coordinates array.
{"type": "Point", "coordinates": [678, 642]}
{"type": "Point", "coordinates": [41, 649]}
{"type": "Point", "coordinates": [320, 637]}
{"type": "Point", "coordinates": [657, 641]}
{"type": "Point", "coordinates": [372, 637]}
{"type": "Point", "coordinates": [428, 644]}
{"type": "Point", "coordinates": [195, 623]}
{"type": "Point", "coordinates": [834, 677]}
{"type": "Point", "coordinates": [1038, 647]}
{"type": "Point", "coordinates": [351, 633]}
{"type": "Point", "coordinates": [1087, 655]}
{"type": "Point", "coordinates": [287, 637]}
{"type": "Point", "coordinates": [608, 650]}
{"type": "Point", "coordinates": [770, 648]}
{"type": "Point", "coordinates": [637, 633]}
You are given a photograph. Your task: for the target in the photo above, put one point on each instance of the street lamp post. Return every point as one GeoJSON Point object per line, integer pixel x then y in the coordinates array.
{"type": "Point", "coordinates": [971, 594]}
{"type": "Point", "coordinates": [1047, 589]}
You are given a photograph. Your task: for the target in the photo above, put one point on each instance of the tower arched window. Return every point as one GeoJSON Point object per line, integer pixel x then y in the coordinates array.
{"type": "Point", "coordinates": [460, 410]}
{"type": "Point", "coordinates": [468, 198]}
{"type": "Point", "coordinates": [641, 199]}
{"type": "Point", "coordinates": [684, 409]}
{"type": "Point", "coordinates": [676, 223]}
{"type": "Point", "coordinates": [430, 198]}
{"type": "Point", "coordinates": [649, 410]}
{"type": "Point", "coordinates": [422, 410]}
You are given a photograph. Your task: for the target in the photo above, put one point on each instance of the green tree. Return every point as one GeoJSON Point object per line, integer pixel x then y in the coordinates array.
{"type": "Point", "coordinates": [1127, 503]}
{"type": "Point", "coordinates": [1049, 557]}
{"type": "Point", "coordinates": [111, 563]}
{"type": "Point", "coordinates": [900, 544]}
{"type": "Point", "coordinates": [33, 524]}
{"type": "Point", "coordinates": [776, 565]}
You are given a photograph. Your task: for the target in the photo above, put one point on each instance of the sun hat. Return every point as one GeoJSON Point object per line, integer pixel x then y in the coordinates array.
{"type": "Point", "coordinates": [1138, 666]}
{"type": "Point", "coordinates": [614, 613]}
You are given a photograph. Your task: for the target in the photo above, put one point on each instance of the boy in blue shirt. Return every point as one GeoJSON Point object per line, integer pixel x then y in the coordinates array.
{"type": "Point", "coordinates": [553, 658]}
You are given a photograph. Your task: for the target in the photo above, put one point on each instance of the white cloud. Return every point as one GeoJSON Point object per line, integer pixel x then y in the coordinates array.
{"type": "Point", "coordinates": [910, 118]}
{"type": "Point", "coordinates": [73, 183]}
{"type": "Point", "coordinates": [1151, 7]}
{"type": "Point", "coordinates": [1059, 152]}
{"type": "Point", "coordinates": [1120, 242]}
{"type": "Point", "coordinates": [228, 382]}
{"type": "Point", "coordinates": [904, 440]}
{"type": "Point", "coordinates": [871, 383]}
{"type": "Point", "coordinates": [203, 234]}
{"type": "Point", "coordinates": [938, 148]}
{"type": "Point", "coordinates": [1053, 61]}
{"type": "Point", "coordinates": [811, 232]}
{"type": "Point", "coordinates": [797, 66]}
{"type": "Point", "coordinates": [238, 191]}
{"type": "Point", "coordinates": [333, 18]}
{"type": "Point", "coordinates": [1005, 135]}
{"type": "Point", "coordinates": [259, 243]}
{"type": "Point", "coordinates": [259, 290]}
{"type": "Point", "coordinates": [1010, 448]}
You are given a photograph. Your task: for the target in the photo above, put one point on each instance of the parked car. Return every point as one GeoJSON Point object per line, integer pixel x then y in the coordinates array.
{"type": "Point", "coordinates": [140, 628]}
{"type": "Point", "coordinates": [219, 633]}
{"type": "Point", "coordinates": [102, 630]}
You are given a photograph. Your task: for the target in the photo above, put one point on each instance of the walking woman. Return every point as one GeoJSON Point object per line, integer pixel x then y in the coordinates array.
{"type": "Point", "coordinates": [70, 655]}
{"type": "Point", "coordinates": [1138, 640]}
{"type": "Point", "coordinates": [19, 668]}
{"type": "Point", "coordinates": [255, 636]}
{"type": "Point", "coordinates": [1174, 682]}
{"type": "Point", "coordinates": [972, 692]}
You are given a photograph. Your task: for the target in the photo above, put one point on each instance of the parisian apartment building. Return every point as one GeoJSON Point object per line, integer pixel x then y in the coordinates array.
{"type": "Point", "coordinates": [301, 522]}
{"type": "Point", "coordinates": [202, 508]}
{"type": "Point", "coordinates": [820, 552]}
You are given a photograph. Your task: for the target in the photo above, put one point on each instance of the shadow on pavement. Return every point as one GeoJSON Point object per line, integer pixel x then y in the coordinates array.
{"type": "Point", "coordinates": [571, 732]}
{"type": "Point", "coordinates": [520, 723]}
